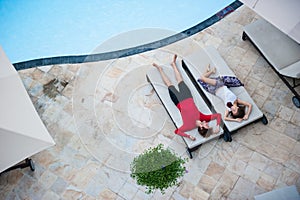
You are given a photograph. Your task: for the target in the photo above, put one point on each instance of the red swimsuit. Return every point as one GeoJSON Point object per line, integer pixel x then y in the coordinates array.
{"type": "Point", "coordinates": [190, 113]}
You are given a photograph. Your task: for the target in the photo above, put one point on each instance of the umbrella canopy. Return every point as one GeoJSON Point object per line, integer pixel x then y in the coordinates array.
{"type": "Point", "coordinates": [22, 132]}
{"type": "Point", "coordinates": [283, 14]}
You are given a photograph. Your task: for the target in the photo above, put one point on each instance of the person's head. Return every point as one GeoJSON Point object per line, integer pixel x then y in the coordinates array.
{"type": "Point", "coordinates": [237, 111]}
{"type": "Point", "coordinates": [202, 127]}
{"type": "Point", "coordinates": [202, 131]}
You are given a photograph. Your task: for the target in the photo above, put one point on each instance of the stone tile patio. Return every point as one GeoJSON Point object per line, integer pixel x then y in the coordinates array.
{"type": "Point", "coordinates": [103, 114]}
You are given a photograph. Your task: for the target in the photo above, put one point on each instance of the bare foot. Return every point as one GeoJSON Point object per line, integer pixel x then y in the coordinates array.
{"type": "Point", "coordinates": [157, 66]}
{"type": "Point", "coordinates": [173, 63]}
{"type": "Point", "coordinates": [208, 68]}
{"type": "Point", "coordinates": [213, 70]}
{"type": "Point", "coordinates": [174, 58]}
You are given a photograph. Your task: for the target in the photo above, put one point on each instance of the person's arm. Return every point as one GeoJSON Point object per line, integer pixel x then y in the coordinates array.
{"type": "Point", "coordinates": [230, 118]}
{"type": "Point", "coordinates": [214, 116]}
{"type": "Point", "coordinates": [247, 104]}
{"type": "Point", "coordinates": [183, 134]}
{"type": "Point", "coordinates": [210, 117]}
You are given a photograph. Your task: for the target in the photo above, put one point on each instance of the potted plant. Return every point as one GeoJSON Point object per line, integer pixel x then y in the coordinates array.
{"type": "Point", "coordinates": [157, 168]}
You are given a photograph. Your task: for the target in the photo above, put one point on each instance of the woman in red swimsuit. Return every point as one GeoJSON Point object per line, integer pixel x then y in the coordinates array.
{"type": "Point", "coordinates": [192, 118]}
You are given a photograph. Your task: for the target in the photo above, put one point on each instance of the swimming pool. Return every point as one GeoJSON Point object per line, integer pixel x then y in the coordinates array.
{"type": "Point", "coordinates": [37, 29]}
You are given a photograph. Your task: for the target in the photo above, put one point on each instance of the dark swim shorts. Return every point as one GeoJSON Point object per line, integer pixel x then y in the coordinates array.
{"type": "Point", "coordinates": [181, 94]}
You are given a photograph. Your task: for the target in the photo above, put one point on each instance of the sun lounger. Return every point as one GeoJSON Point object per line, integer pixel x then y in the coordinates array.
{"type": "Point", "coordinates": [195, 64]}
{"type": "Point", "coordinates": [280, 51]}
{"type": "Point", "coordinates": [286, 192]}
{"type": "Point", "coordinates": [161, 90]}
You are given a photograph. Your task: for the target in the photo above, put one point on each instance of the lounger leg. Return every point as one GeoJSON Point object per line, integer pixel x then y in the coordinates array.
{"type": "Point", "coordinates": [28, 163]}
{"type": "Point", "coordinates": [264, 120]}
{"type": "Point", "coordinates": [227, 136]}
{"type": "Point", "coordinates": [189, 152]}
{"type": "Point", "coordinates": [296, 101]}
{"type": "Point", "coordinates": [244, 36]}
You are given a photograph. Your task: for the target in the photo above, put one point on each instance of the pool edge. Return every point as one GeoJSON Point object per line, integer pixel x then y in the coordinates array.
{"type": "Point", "coordinates": [76, 59]}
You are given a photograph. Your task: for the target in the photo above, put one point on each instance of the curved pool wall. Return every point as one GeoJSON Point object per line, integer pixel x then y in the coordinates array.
{"type": "Point", "coordinates": [129, 51]}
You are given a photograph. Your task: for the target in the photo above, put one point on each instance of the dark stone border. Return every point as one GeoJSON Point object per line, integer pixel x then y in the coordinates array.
{"type": "Point", "coordinates": [130, 51]}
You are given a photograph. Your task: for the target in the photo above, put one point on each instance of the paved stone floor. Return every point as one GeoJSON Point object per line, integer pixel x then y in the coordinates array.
{"type": "Point", "coordinates": [103, 114]}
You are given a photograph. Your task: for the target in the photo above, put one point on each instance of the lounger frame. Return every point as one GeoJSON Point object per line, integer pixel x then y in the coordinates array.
{"type": "Point", "coordinates": [201, 58]}
{"type": "Point", "coordinates": [250, 34]}
{"type": "Point", "coordinates": [188, 149]}
{"type": "Point", "coordinates": [173, 112]}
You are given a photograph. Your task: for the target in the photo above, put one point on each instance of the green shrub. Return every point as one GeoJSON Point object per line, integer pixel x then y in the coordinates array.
{"type": "Point", "coordinates": [157, 168]}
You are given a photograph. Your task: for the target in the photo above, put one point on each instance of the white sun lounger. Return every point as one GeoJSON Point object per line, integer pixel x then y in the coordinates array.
{"type": "Point", "coordinates": [280, 51]}
{"type": "Point", "coordinates": [161, 90]}
{"type": "Point", "coordinates": [196, 63]}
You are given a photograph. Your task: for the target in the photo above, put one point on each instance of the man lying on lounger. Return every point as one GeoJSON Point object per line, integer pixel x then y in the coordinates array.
{"type": "Point", "coordinates": [183, 99]}
{"type": "Point", "coordinates": [235, 107]}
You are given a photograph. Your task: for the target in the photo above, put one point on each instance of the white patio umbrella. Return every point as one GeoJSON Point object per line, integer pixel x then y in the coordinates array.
{"type": "Point", "coordinates": [22, 132]}
{"type": "Point", "coordinates": [283, 14]}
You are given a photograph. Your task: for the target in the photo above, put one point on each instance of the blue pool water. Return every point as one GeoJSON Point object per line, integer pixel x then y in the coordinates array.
{"type": "Point", "coordinates": [31, 29]}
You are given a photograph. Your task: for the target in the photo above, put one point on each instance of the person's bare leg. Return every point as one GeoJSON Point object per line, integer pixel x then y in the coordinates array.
{"type": "Point", "coordinates": [205, 77]}
{"type": "Point", "coordinates": [177, 73]}
{"type": "Point", "coordinates": [163, 75]}
{"type": "Point", "coordinates": [209, 71]}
